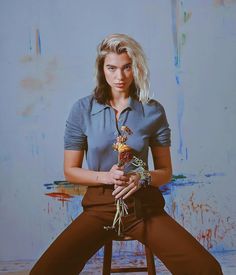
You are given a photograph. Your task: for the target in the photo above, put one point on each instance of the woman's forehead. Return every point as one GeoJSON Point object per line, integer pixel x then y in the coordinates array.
{"type": "Point", "coordinates": [117, 59]}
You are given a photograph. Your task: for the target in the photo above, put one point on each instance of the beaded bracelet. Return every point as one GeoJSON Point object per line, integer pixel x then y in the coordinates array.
{"type": "Point", "coordinates": [145, 176]}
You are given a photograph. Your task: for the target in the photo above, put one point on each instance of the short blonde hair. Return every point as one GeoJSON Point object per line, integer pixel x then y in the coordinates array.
{"type": "Point", "coordinates": [120, 43]}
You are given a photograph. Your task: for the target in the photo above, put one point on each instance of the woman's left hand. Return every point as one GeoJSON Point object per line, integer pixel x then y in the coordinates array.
{"type": "Point", "coordinates": [131, 187]}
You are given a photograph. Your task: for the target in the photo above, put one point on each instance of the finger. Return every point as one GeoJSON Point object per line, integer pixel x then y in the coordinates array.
{"type": "Point", "coordinates": [123, 192]}
{"type": "Point", "coordinates": [117, 176]}
{"type": "Point", "coordinates": [116, 167]}
{"type": "Point", "coordinates": [134, 181]}
{"type": "Point", "coordinates": [118, 172]}
{"type": "Point", "coordinates": [121, 183]}
{"type": "Point", "coordinates": [117, 190]}
{"type": "Point", "coordinates": [130, 192]}
{"type": "Point", "coordinates": [120, 178]}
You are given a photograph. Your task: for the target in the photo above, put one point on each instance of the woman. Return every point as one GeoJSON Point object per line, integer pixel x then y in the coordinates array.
{"type": "Point", "coordinates": [120, 98]}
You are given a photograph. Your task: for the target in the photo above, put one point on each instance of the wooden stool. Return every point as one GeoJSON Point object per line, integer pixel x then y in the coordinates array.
{"type": "Point", "coordinates": [107, 268]}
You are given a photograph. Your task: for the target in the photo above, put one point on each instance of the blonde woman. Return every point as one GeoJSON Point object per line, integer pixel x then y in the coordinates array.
{"type": "Point", "coordinates": [121, 97]}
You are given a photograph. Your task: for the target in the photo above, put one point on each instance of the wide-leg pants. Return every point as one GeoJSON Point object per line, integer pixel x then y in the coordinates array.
{"type": "Point", "coordinates": [181, 253]}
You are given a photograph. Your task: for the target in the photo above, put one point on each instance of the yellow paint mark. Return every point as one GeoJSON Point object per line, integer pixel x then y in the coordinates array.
{"type": "Point", "coordinates": [26, 59]}
{"type": "Point", "coordinates": [32, 84]}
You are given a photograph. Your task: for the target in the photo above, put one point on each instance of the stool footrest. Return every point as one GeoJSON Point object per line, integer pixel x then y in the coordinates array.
{"type": "Point", "coordinates": [107, 260]}
{"type": "Point", "coordinates": [128, 269]}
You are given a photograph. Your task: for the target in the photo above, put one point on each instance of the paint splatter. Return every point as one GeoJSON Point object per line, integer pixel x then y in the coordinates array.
{"type": "Point", "coordinates": [30, 42]}
{"type": "Point", "coordinates": [26, 59]}
{"type": "Point", "coordinates": [180, 176]}
{"type": "Point", "coordinates": [179, 17]}
{"type": "Point", "coordinates": [38, 43]}
{"type": "Point", "coordinates": [201, 216]}
{"type": "Point", "coordinates": [64, 191]}
{"type": "Point", "coordinates": [60, 196]}
{"type": "Point", "coordinates": [32, 84]}
{"type": "Point", "coordinates": [187, 16]}
{"type": "Point", "coordinates": [180, 114]}
{"type": "Point", "coordinates": [215, 174]}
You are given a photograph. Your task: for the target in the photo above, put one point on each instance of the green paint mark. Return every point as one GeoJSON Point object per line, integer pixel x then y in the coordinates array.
{"type": "Point", "coordinates": [176, 177]}
{"type": "Point", "coordinates": [183, 39]}
{"type": "Point", "coordinates": [187, 16]}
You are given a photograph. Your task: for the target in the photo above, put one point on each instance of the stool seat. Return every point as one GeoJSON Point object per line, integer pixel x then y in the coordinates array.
{"type": "Point", "coordinates": [107, 267]}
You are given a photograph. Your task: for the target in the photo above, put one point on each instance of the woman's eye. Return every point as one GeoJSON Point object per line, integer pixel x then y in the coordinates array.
{"type": "Point", "coordinates": [111, 69]}
{"type": "Point", "coordinates": [128, 67]}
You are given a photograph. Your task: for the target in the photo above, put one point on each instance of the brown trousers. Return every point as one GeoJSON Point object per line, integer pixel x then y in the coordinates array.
{"type": "Point", "coordinates": [181, 253]}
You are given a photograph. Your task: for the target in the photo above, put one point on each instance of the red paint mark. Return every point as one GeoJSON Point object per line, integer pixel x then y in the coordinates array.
{"type": "Point", "coordinates": [205, 238]}
{"type": "Point", "coordinates": [199, 207]}
{"type": "Point", "coordinates": [60, 196]}
{"type": "Point", "coordinates": [216, 227]}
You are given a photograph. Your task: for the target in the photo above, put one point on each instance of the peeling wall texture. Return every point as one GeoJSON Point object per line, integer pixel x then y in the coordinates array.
{"type": "Point", "coordinates": [47, 54]}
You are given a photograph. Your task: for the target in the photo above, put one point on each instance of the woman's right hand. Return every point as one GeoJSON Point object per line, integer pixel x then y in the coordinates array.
{"type": "Point", "coordinates": [116, 176]}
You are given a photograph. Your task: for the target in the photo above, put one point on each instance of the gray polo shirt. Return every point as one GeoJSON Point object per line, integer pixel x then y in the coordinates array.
{"type": "Point", "coordinates": [92, 127]}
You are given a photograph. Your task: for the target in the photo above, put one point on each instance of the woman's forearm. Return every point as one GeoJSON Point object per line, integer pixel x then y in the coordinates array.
{"type": "Point", "coordinates": [160, 176]}
{"type": "Point", "coordinates": [86, 177]}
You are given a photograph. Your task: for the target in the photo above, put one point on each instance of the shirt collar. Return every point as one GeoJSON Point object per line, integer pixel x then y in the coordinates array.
{"type": "Point", "coordinates": [133, 104]}
{"type": "Point", "coordinates": [98, 107]}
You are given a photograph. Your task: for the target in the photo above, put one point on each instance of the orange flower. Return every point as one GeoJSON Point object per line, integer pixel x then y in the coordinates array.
{"type": "Point", "coordinates": [123, 148]}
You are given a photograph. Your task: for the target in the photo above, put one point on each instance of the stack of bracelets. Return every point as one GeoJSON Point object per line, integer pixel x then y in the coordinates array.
{"type": "Point", "coordinates": [145, 176]}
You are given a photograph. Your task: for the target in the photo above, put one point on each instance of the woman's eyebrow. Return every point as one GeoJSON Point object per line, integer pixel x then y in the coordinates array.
{"type": "Point", "coordinates": [110, 65]}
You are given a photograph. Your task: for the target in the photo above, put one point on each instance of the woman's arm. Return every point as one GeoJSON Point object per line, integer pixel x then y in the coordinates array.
{"type": "Point", "coordinates": [162, 165]}
{"type": "Point", "coordinates": [74, 172]}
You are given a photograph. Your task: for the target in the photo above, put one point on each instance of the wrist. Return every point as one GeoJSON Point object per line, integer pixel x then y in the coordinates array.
{"type": "Point", "coordinates": [101, 177]}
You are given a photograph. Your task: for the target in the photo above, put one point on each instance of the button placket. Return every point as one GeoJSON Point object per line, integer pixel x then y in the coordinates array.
{"type": "Point", "coordinates": [120, 121]}
{"type": "Point", "coordinates": [114, 123]}
{"type": "Point", "coordinates": [123, 118]}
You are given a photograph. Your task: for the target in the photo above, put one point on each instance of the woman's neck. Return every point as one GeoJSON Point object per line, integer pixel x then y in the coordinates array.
{"type": "Point", "coordinates": [119, 102]}
{"type": "Point", "coordinates": [119, 98]}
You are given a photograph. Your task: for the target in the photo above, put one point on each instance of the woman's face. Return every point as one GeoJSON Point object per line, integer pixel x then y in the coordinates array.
{"type": "Point", "coordinates": [118, 72]}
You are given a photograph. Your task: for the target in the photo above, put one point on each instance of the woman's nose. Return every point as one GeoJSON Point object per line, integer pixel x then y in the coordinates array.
{"type": "Point", "coordinates": [119, 74]}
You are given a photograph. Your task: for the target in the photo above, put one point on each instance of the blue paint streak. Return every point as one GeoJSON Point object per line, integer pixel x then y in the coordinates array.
{"type": "Point", "coordinates": [49, 186]}
{"type": "Point", "coordinates": [180, 113]}
{"type": "Point", "coordinates": [166, 189]}
{"type": "Point", "coordinates": [39, 42]}
{"type": "Point", "coordinates": [174, 5]}
{"type": "Point", "coordinates": [177, 79]}
{"type": "Point", "coordinates": [215, 174]}
{"type": "Point", "coordinates": [174, 30]}
{"type": "Point", "coordinates": [187, 182]}
{"type": "Point", "coordinates": [30, 43]}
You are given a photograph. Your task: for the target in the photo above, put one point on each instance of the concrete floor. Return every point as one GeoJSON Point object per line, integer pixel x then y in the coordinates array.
{"type": "Point", "coordinates": [226, 259]}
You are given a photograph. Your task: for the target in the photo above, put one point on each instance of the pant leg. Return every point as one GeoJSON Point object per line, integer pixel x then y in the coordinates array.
{"type": "Point", "coordinates": [75, 245]}
{"type": "Point", "coordinates": [181, 253]}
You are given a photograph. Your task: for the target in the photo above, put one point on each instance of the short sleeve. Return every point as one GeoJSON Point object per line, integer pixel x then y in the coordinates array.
{"type": "Point", "coordinates": [74, 137]}
{"type": "Point", "coordinates": [162, 134]}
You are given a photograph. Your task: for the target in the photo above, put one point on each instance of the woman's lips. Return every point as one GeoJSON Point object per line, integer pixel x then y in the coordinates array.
{"type": "Point", "coordinates": [120, 85]}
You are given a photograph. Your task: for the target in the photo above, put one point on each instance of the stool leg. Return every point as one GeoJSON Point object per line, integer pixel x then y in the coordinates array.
{"type": "Point", "coordinates": [150, 261]}
{"type": "Point", "coordinates": [107, 258]}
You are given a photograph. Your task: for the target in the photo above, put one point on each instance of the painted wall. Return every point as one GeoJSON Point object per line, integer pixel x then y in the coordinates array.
{"type": "Point", "coordinates": [47, 54]}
